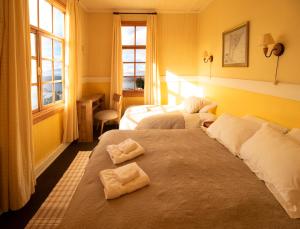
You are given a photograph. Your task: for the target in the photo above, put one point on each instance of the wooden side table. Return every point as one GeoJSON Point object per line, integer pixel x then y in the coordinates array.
{"type": "Point", "coordinates": [86, 108]}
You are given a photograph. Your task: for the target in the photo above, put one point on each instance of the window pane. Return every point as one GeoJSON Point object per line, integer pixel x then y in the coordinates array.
{"type": "Point", "coordinates": [57, 50]}
{"type": "Point", "coordinates": [46, 47]}
{"type": "Point", "coordinates": [34, 98]}
{"type": "Point", "coordinates": [140, 69]}
{"type": "Point", "coordinates": [128, 69]}
{"type": "Point", "coordinates": [141, 35]}
{"type": "Point", "coordinates": [127, 35]}
{"type": "Point", "coordinates": [57, 70]}
{"type": "Point", "coordinates": [47, 94]}
{"type": "Point", "coordinates": [46, 70]}
{"type": "Point", "coordinates": [58, 91]}
{"type": "Point", "coordinates": [140, 55]}
{"type": "Point", "coordinates": [33, 71]}
{"type": "Point", "coordinates": [58, 22]}
{"type": "Point", "coordinates": [128, 55]}
{"type": "Point", "coordinates": [128, 83]}
{"type": "Point", "coordinates": [33, 12]}
{"type": "Point", "coordinates": [45, 15]}
{"type": "Point", "coordinates": [33, 44]}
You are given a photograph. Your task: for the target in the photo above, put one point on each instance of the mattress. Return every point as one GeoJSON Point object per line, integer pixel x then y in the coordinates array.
{"type": "Point", "coordinates": [195, 183]}
{"type": "Point", "coordinates": [158, 117]}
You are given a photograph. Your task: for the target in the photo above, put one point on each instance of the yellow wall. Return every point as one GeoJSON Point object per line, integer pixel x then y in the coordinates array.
{"type": "Point", "coordinates": [99, 27]}
{"type": "Point", "coordinates": [280, 18]}
{"type": "Point", "coordinates": [177, 42]}
{"type": "Point", "coordinates": [47, 136]}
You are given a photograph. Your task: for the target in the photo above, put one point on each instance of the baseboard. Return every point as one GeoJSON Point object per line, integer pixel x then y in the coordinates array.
{"type": "Point", "coordinates": [43, 165]}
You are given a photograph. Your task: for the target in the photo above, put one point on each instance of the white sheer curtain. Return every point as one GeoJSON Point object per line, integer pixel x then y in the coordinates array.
{"type": "Point", "coordinates": [71, 76]}
{"type": "Point", "coordinates": [17, 178]}
{"type": "Point", "coordinates": [152, 78]}
{"type": "Point", "coordinates": [116, 84]}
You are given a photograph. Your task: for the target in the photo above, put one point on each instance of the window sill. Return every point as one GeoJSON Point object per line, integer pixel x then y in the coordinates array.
{"type": "Point", "coordinates": [133, 93]}
{"type": "Point", "coordinates": [44, 114]}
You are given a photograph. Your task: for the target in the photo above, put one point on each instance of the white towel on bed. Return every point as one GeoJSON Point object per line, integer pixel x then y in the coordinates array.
{"type": "Point", "coordinates": [113, 188]}
{"type": "Point", "coordinates": [127, 173]}
{"type": "Point", "coordinates": [127, 146]}
{"type": "Point", "coordinates": [118, 156]}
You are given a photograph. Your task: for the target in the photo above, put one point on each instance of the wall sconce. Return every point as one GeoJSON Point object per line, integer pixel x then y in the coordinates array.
{"type": "Point", "coordinates": [208, 58]}
{"type": "Point", "coordinates": [277, 50]}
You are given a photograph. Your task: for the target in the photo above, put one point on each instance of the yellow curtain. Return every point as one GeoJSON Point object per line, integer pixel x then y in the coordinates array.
{"type": "Point", "coordinates": [116, 84]}
{"type": "Point", "coordinates": [152, 78]}
{"type": "Point", "coordinates": [71, 76]}
{"type": "Point", "coordinates": [17, 178]}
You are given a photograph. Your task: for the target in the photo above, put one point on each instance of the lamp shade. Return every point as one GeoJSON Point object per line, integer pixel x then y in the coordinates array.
{"type": "Point", "coordinates": [268, 39]}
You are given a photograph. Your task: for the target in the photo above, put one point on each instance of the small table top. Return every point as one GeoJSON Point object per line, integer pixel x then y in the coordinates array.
{"type": "Point", "coordinates": [92, 98]}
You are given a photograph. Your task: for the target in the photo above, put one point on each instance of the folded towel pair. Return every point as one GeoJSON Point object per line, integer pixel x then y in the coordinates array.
{"type": "Point", "coordinates": [124, 151]}
{"type": "Point", "coordinates": [123, 180]}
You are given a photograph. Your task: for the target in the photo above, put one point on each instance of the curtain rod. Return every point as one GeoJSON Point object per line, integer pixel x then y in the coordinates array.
{"type": "Point", "coordinates": [154, 13]}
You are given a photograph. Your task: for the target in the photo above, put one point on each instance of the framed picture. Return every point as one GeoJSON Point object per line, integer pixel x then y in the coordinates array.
{"type": "Point", "coordinates": [236, 47]}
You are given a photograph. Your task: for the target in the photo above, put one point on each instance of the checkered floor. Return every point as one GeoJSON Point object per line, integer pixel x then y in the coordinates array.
{"type": "Point", "coordinates": [53, 209]}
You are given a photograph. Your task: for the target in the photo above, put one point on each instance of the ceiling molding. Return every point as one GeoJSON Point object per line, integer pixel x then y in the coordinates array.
{"type": "Point", "coordinates": [165, 11]}
{"type": "Point", "coordinates": [205, 6]}
{"type": "Point", "coordinates": [83, 6]}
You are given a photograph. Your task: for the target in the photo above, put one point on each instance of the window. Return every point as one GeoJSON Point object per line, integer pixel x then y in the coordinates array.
{"type": "Point", "coordinates": [47, 20]}
{"type": "Point", "coordinates": [134, 57]}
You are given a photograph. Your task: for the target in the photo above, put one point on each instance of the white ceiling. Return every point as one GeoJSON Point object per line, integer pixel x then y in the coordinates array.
{"type": "Point", "coordinates": [167, 6]}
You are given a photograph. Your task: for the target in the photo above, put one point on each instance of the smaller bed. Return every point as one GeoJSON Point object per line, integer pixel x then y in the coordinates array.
{"type": "Point", "coordinates": [164, 117]}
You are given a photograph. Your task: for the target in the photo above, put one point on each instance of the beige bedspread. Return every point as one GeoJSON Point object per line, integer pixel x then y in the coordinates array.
{"type": "Point", "coordinates": [152, 117]}
{"type": "Point", "coordinates": [195, 183]}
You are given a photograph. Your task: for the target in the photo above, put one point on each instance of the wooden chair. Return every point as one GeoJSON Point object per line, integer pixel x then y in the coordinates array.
{"type": "Point", "coordinates": [112, 114]}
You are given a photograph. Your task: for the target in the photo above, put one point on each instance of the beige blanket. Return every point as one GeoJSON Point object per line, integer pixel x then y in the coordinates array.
{"type": "Point", "coordinates": [152, 117]}
{"type": "Point", "coordinates": [195, 183]}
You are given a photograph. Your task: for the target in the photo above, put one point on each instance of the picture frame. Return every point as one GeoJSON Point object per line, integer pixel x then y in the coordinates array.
{"type": "Point", "coordinates": [236, 46]}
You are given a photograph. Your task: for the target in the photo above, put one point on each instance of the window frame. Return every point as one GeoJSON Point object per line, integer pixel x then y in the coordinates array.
{"type": "Point", "coordinates": [135, 92]}
{"type": "Point", "coordinates": [45, 111]}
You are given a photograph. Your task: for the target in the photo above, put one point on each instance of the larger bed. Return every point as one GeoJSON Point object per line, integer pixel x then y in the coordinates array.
{"type": "Point", "coordinates": [195, 183]}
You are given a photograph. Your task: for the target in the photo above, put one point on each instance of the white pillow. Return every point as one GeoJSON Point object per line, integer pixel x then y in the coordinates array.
{"type": "Point", "coordinates": [275, 158]}
{"type": "Point", "coordinates": [231, 131]}
{"type": "Point", "coordinates": [260, 121]}
{"type": "Point", "coordinates": [208, 107]}
{"type": "Point", "coordinates": [192, 104]}
{"type": "Point", "coordinates": [294, 134]}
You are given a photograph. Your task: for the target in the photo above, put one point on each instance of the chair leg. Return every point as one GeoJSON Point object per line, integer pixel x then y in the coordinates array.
{"type": "Point", "coordinates": [102, 124]}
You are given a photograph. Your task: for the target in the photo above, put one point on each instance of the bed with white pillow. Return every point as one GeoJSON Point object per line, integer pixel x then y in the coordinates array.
{"type": "Point", "coordinates": [186, 116]}
{"type": "Point", "coordinates": [196, 180]}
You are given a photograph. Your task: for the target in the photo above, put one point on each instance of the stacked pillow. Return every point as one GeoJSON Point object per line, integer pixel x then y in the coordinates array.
{"type": "Point", "coordinates": [270, 153]}
{"type": "Point", "coordinates": [192, 104]}
{"type": "Point", "coordinates": [275, 158]}
{"type": "Point", "coordinates": [232, 131]}
{"type": "Point", "coordinates": [295, 134]}
{"type": "Point", "coordinates": [259, 121]}
{"type": "Point", "coordinates": [195, 104]}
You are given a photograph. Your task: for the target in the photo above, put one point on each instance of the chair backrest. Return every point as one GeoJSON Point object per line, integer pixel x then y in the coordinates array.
{"type": "Point", "coordinates": [117, 103]}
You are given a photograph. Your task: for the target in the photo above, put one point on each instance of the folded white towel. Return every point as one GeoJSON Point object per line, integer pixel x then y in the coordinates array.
{"type": "Point", "coordinates": [113, 188]}
{"type": "Point", "coordinates": [118, 156]}
{"type": "Point", "coordinates": [127, 173]}
{"type": "Point", "coordinates": [127, 146]}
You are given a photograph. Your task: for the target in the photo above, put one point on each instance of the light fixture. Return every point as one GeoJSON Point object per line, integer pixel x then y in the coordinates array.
{"type": "Point", "coordinates": [277, 50]}
{"type": "Point", "coordinates": [207, 57]}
